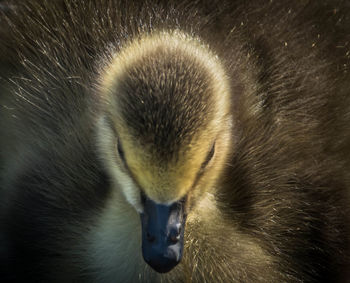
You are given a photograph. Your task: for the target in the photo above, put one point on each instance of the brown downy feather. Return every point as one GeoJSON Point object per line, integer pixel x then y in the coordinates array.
{"type": "Point", "coordinates": [282, 201]}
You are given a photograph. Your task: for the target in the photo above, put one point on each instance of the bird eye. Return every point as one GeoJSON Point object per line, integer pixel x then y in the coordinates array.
{"type": "Point", "coordinates": [209, 157]}
{"type": "Point", "coordinates": [120, 151]}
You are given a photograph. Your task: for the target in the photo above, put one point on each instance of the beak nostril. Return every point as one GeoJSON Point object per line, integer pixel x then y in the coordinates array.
{"type": "Point", "coordinates": [150, 238]}
{"type": "Point", "coordinates": [174, 238]}
{"type": "Point", "coordinates": [175, 235]}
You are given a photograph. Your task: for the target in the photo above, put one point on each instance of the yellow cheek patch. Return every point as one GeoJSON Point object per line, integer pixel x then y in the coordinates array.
{"type": "Point", "coordinates": [163, 182]}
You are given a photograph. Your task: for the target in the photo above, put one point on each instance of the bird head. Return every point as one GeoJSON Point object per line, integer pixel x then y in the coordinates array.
{"type": "Point", "coordinates": [164, 133]}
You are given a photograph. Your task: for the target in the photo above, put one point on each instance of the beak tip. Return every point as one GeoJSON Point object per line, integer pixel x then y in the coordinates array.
{"type": "Point", "coordinates": [160, 263]}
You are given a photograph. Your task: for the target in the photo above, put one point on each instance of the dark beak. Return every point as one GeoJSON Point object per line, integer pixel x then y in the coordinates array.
{"type": "Point", "coordinates": [163, 234]}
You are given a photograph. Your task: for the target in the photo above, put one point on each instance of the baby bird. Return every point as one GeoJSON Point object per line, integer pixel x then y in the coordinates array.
{"type": "Point", "coordinates": [174, 141]}
{"type": "Point", "coordinates": [165, 134]}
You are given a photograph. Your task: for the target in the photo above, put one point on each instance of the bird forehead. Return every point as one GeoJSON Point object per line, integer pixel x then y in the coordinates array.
{"type": "Point", "coordinates": [164, 104]}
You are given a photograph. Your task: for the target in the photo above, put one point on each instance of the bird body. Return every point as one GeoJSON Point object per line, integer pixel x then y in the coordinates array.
{"type": "Point", "coordinates": [174, 142]}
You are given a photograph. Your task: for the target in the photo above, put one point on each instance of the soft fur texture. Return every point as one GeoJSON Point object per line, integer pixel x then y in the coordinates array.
{"type": "Point", "coordinates": [279, 211]}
